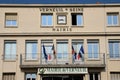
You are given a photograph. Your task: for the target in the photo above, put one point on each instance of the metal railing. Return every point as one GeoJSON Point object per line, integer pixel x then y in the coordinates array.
{"type": "Point", "coordinates": [10, 57]}
{"type": "Point", "coordinates": [113, 56]}
{"type": "Point", "coordinates": [36, 59]}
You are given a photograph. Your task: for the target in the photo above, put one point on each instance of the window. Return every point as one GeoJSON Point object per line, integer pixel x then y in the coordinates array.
{"type": "Point", "coordinates": [10, 50]}
{"type": "Point", "coordinates": [77, 19]}
{"type": "Point", "coordinates": [31, 50]}
{"type": "Point", "coordinates": [11, 19]}
{"type": "Point", "coordinates": [62, 51]}
{"type": "Point", "coordinates": [30, 76]}
{"type": "Point", "coordinates": [112, 19]}
{"type": "Point", "coordinates": [93, 49]}
{"type": "Point", "coordinates": [8, 76]}
{"type": "Point", "coordinates": [94, 76]}
{"type": "Point", "coordinates": [77, 44]}
{"type": "Point", "coordinates": [47, 20]}
{"type": "Point", "coordinates": [115, 75]}
{"type": "Point", "coordinates": [47, 52]}
{"type": "Point", "coordinates": [114, 48]}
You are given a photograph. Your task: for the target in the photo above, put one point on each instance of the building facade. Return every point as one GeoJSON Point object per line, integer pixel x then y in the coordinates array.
{"type": "Point", "coordinates": [59, 41]}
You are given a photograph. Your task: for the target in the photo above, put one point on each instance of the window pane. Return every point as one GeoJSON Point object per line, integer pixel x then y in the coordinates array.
{"type": "Point", "coordinates": [34, 76]}
{"type": "Point", "coordinates": [50, 20]}
{"type": "Point", "coordinates": [47, 20]}
{"type": "Point", "coordinates": [109, 19]}
{"type": "Point", "coordinates": [115, 19]}
{"type": "Point", "coordinates": [44, 20]}
{"type": "Point", "coordinates": [62, 51]}
{"type": "Point", "coordinates": [111, 49]}
{"type": "Point", "coordinates": [89, 50]}
{"type": "Point", "coordinates": [11, 19]}
{"type": "Point", "coordinates": [10, 50]}
{"type": "Point", "coordinates": [114, 47]}
{"type": "Point", "coordinates": [31, 76]}
{"type": "Point", "coordinates": [8, 23]}
{"type": "Point", "coordinates": [31, 50]}
{"type": "Point", "coordinates": [34, 51]}
{"type": "Point", "coordinates": [93, 49]}
{"type": "Point", "coordinates": [14, 23]}
{"type": "Point", "coordinates": [95, 46]}
{"type": "Point", "coordinates": [13, 52]}
{"type": "Point", "coordinates": [79, 20]}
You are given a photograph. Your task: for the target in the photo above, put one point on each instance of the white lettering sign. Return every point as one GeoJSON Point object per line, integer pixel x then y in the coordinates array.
{"type": "Point", "coordinates": [62, 70]}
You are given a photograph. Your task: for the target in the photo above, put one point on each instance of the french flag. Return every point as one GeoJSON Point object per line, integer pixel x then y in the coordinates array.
{"type": "Point", "coordinates": [44, 52]}
{"type": "Point", "coordinates": [54, 53]}
{"type": "Point", "coordinates": [81, 52]}
{"type": "Point", "coordinates": [74, 53]}
{"type": "Point", "coordinates": [49, 56]}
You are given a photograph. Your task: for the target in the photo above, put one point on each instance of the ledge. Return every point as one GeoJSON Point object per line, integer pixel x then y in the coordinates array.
{"type": "Point", "coordinates": [63, 34]}
{"type": "Point", "coordinates": [61, 65]}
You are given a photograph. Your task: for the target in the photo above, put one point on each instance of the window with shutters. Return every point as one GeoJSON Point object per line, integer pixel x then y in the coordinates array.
{"type": "Point", "coordinates": [8, 76]}
{"type": "Point", "coordinates": [115, 76]}
{"type": "Point", "coordinates": [11, 20]}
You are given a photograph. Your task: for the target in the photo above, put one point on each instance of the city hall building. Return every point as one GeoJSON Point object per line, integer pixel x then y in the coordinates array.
{"type": "Point", "coordinates": [60, 41]}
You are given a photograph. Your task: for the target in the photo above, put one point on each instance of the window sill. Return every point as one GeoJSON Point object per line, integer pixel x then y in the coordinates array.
{"type": "Point", "coordinates": [29, 60]}
{"type": "Point", "coordinates": [46, 26]}
{"type": "Point", "coordinates": [93, 59]}
{"type": "Point", "coordinates": [113, 26]}
{"type": "Point", "coordinates": [11, 26]}
{"type": "Point", "coordinates": [75, 26]}
{"type": "Point", "coordinates": [9, 60]}
{"type": "Point", "coordinates": [114, 59]}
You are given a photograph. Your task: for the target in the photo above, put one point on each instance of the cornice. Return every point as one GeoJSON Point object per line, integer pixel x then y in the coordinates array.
{"type": "Point", "coordinates": [61, 34]}
{"type": "Point", "coordinates": [60, 5]}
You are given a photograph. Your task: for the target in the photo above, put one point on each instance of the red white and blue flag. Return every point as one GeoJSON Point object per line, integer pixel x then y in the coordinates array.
{"type": "Point", "coordinates": [81, 52]}
{"type": "Point", "coordinates": [44, 52]}
{"type": "Point", "coordinates": [54, 53]}
{"type": "Point", "coordinates": [74, 54]}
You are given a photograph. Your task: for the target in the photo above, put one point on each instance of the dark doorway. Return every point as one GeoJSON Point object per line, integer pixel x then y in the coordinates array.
{"type": "Point", "coordinates": [68, 77]}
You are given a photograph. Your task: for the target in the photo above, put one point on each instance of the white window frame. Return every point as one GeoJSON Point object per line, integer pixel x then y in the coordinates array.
{"type": "Point", "coordinates": [46, 19]}
{"type": "Point", "coordinates": [114, 54]}
{"type": "Point", "coordinates": [29, 56]}
{"type": "Point", "coordinates": [11, 20]}
{"type": "Point", "coordinates": [31, 77]}
{"type": "Point", "coordinates": [62, 60]}
{"type": "Point", "coordinates": [13, 50]}
{"type": "Point", "coordinates": [81, 14]}
{"type": "Point", "coordinates": [112, 19]}
{"type": "Point", "coordinates": [93, 54]}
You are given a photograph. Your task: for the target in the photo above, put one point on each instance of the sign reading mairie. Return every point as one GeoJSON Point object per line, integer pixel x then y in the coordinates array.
{"type": "Point", "coordinates": [62, 70]}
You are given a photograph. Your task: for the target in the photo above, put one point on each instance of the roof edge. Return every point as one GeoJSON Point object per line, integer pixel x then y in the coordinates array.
{"type": "Point", "coordinates": [61, 5]}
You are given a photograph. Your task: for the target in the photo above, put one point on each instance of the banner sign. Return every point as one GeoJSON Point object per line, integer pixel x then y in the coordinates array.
{"type": "Point", "coordinates": [62, 70]}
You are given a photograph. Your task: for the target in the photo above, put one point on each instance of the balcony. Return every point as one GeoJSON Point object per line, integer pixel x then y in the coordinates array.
{"type": "Point", "coordinates": [84, 61]}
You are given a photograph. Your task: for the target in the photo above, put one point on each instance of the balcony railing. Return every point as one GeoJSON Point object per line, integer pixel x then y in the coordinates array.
{"type": "Point", "coordinates": [10, 57]}
{"type": "Point", "coordinates": [114, 56]}
{"type": "Point", "coordinates": [84, 60]}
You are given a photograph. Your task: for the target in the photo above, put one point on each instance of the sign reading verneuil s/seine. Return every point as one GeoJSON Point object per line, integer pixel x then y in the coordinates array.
{"type": "Point", "coordinates": [74, 9]}
{"type": "Point", "coordinates": [62, 70]}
